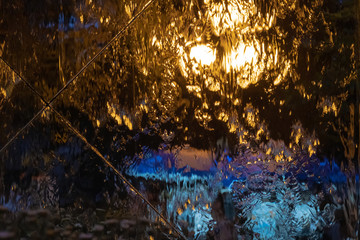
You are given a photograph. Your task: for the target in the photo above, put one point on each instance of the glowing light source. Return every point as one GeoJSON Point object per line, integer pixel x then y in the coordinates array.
{"type": "Point", "coordinates": [203, 54]}
{"type": "Point", "coordinates": [242, 55]}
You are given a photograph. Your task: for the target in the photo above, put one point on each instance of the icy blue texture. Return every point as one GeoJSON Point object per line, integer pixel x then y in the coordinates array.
{"type": "Point", "coordinates": [274, 203]}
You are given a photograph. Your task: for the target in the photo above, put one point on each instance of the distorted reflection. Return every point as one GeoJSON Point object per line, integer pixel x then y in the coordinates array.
{"type": "Point", "coordinates": [235, 119]}
{"type": "Point", "coordinates": [203, 54]}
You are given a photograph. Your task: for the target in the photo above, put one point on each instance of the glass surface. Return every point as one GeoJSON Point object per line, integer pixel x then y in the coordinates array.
{"type": "Point", "coordinates": [49, 178]}
{"type": "Point", "coordinates": [18, 104]}
{"type": "Point", "coordinates": [234, 119]}
{"type": "Point", "coordinates": [48, 42]}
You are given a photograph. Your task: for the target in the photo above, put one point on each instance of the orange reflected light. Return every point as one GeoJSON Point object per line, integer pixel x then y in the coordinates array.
{"type": "Point", "coordinates": [250, 59]}
{"type": "Point", "coordinates": [228, 16]}
{"type": "Point", "coordinates": [241, 56]}
{"type": "Point", "coordinates": [203, 54]}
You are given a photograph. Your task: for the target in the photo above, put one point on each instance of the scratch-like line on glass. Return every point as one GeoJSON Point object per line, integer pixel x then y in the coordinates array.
{"type": "Point", "coordinates": [131, 21]}
{"type": "Point", "coordinates": [95, 150]}
{"type": "Point", "coordinates": [33, 118]}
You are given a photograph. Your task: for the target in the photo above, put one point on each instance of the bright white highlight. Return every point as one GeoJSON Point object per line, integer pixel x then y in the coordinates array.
{"type": "Point", "coordinates": [203, 54]}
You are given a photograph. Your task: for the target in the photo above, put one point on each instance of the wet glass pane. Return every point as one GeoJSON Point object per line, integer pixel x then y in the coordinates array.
{"type": "Point", "coordinates": [48, 42]}
{"type": "Point", "coordinates": [48, 179]}
{"type": "Point", "coordinates": [235, 119]}
{"type": "Point", "coordinates": [253, 112]}
{"type": "Point", "coordinates": [18, 104]}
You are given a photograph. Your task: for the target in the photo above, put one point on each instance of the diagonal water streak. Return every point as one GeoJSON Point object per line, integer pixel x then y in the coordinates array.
{"type": "Point", "coordinates": [131, 21]}
{"type": "Point", "coordinates": [68, 124]}
{"type": "Point", "coordinates": [95, 150]}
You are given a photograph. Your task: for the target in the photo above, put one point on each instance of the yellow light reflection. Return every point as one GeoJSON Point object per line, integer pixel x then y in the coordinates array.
{"type": "Point", "coordinates": [227, 16]}
{"type": "Point", "coordinates": [3, 92]}
{"type": "Point", "coordinates": [242, 55]}
{"type": "Point", "coordinates": [179, 211]}
{"type": "Point", "coordinates": [311, 150]}
{"type": "Point", "coordinates": [212, 85]}
{"type": "Point", "coordinates": [203, 54]}
{"type": "Point", "coordinates": [113, 114]}
{"type": "Point", "coordinates": [120, 119]}
{"type": "Point", "coordinates": [247, 56]}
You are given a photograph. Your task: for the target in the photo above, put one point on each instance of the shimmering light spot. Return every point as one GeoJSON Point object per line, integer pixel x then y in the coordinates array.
{"type": "Point", "coordinates": [127, 122]}
{"type": "Point", "coordinates": [119, 118]}
{"type": "Point", "coordinates": [242, 55]}
{"type": "Point", "coordinates": [3, 92]}
{"type": "Point", "coordinates": [281, 76]}
{"type": "Point", "coordinates": [212, 84]}
{"type": "Point", "coordinates": [113, 114]}
{"type": "Point", "coordinates": [268, 152]}
{"type": "Point", "coordinates": [193, 88]}
{"type": "Point", "coordinates": [311, 150]}
{"type": "Point", "coordinates": [179, 211]}
{"type": "Point", "coordinates": [203, 54]}
{"type": "Point", "coordinates": [227, 16]}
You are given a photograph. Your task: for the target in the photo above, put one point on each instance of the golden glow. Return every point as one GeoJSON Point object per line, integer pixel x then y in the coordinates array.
{"type": "Point", "coordinates": [127, 122]}
{"type": "Point", "coordinates": [193, 88]}
{"type": "Point", "coordinates": [233, 127]}
{"type": "Point", "coordinates": [113, 114]}
{"type": "Point", "coordinates": [297, 137]}
{"type": "Point", "coordinates": [328, 106]}
{"type": "Point", "coordinates": [242, 52]}
{"type": "Point", "coordinates": [282, 74]}
{"type": "Point", "coordinates": [144, 107]}
{"type": "Point", "coordinates": [250, 115]}
{"type": "Point", "coordinates": [128, 10]}
{"type": "Point", "coordinates": [223, 116]}
{"type": "Point", "coordinates": [120, 119]}
{"type": "Point", "coordinates": [182, 60]}
{"type": "Point", "coordinates": [237, 58]}
{"type": "Point", "coordinates": [228, 16]}
{"type": "Point", "coordinates": [203, 54]}
{"type": "Point", "coordinates": [242, 136]}
{"type": "Point", "coordinates": [279, 158]}
{"type": "Point", "coordinates": [259, 133]}
{"type": "Point", "coordinates": [3, 92]}
{"type": "Point", "coordinates": [248, 59]}
{"type": "Point", "coordinates": [179, 211]}
{"type": "Point", "coordinates": [311, 150]}
{"type": "Point", "coordinates": [242, 55]}
{"type": "Point", "coordinates": [268, 152]}
{"type": "Point", "coordinates": [212, 84]}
